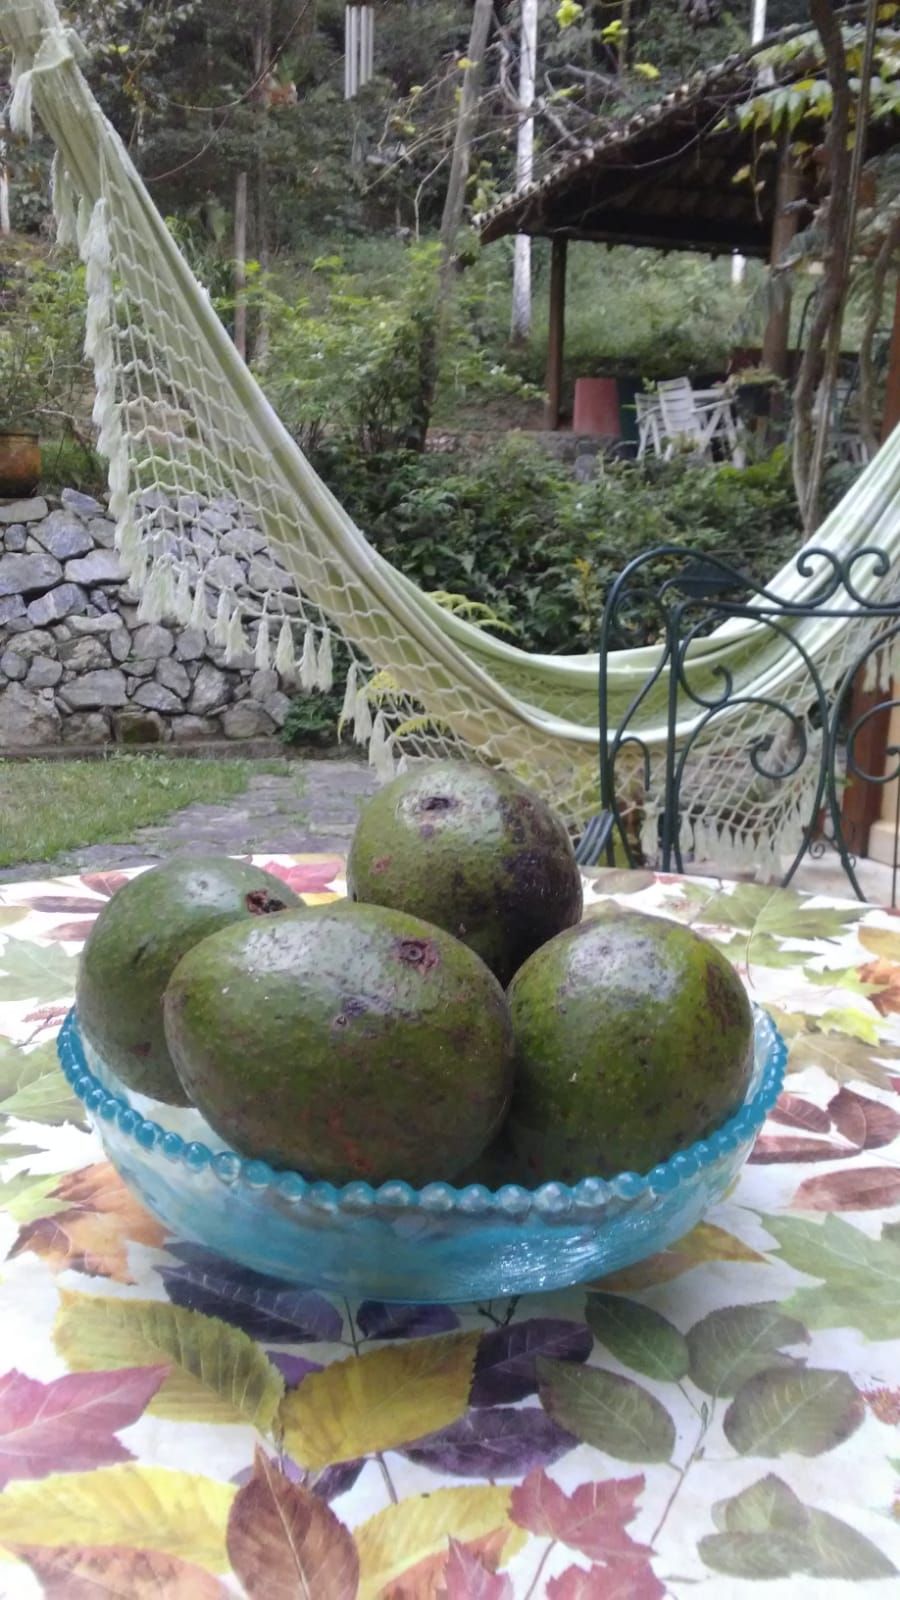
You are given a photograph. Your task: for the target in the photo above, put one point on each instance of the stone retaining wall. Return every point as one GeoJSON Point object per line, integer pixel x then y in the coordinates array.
{"type": "Point", "coordinates": [76, 665]}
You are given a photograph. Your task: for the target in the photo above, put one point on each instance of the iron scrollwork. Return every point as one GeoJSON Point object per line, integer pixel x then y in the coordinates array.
{"type": "Point", "coordinates": [797, 731]}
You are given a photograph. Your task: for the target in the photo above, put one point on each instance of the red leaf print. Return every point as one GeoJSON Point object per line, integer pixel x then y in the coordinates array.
{"type": "Point", "coordinates": [852, 1189]}
{"type": "Point", "coordinates": [89, 1572]}
{"type": "Point", "coordinates": [795, 1112]}
{"type": "Point", "coordinates": [46, 1014]}
{"type": "Point", "coordinates": [591, 1520]}
{"type": "Point", "coordinates": [71, 1423]}
{"type": "Point", "coordinates": [77, 931]}
{"type": "Point", "coordinates": [623, 1580]}
{"type": "Point", "coordinates": [466, 1578]}
{"type": "Point", "coordinates": [768, 1149]}
{"type": "Point", "coordinates": [105, 883]}
{"type": "Point", "coordinates": [312, 877]}
{"type": "Point", "coordinates": [865, 1122]}
{"type": "Point", "coordinates": [424, 1580]}
{"type": "Point", "coordinates": [92, 1234]}
{"type": "Point", "coordinates": [66, 902]}
{"type": "Point", "coordinates": [884, 1404]}
{"type": "Point", "coordinates": [283, 1541]}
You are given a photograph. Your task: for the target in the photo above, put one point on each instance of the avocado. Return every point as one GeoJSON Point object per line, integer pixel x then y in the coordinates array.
{"type": "Point", "coordinates": [136, 943]}
{"type": "Point", "coordinates": [346, 1042]}
{"type": "Point", "coordinates": [472, 850]}
{"type": "Point", "coordinates": [634, 1038]}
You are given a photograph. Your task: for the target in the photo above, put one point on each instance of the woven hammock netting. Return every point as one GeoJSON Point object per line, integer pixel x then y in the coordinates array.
{"type": "Point", "coordinates": [191, 440]}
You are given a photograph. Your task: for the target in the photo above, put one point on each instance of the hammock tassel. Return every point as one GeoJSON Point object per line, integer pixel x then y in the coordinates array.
{"type": "Point", "coordinates": [401, 767]}
{"type": "Point", "coordinates": [362, 716]}
{"type": "Point", "coordinates": [166, 592]}
{"type": "Point", "coordinates": [150, 607]}
{"type": "Point", "coordinates": [348, 709]}
{"type": "Point", "coordinates": [381, 759]}
{"type": "Point", "coordinates": [284, 653]}
{"type": "Point", "coordinates": [308, 672]}
{"type": "Point", "coordinates": [63, 203]}
{"type": "Point", "coordinates": [261, 651]}
{"type": "Point", "coordinates": [182, 602]}
{"type": "Point", "coordinates": [223, 614]}
{"type": "Point", "coordinates": [235, 639]}
{"type": "Point", "coordinates": [127, 542]}
{"type": "Point", "coordinates": [324, 665]}
{"type": "Point", "coordinates": [199, 617]}
{"type": "Point", "coordinates": [649, 832]}
{"type": "Point", "coordinates": [83, 220]}
{"type": "Point", "coordinates": [137, 572]}
{"type": "Point", "coordinates": [19, 112]}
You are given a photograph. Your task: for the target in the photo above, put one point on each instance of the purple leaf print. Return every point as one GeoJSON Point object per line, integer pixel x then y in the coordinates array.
{"type": "Point", "coordinates": [378, 1320]}
{"type": "Point", "coordinates": [70, 1424]}
{"type": "Point", "coordinates": [504, 1443]}
{"type": "Point", "coordinates": [332, 1481]}
{"type": "Point", "coordinates": [265, 1308]}
{"type": "Point", "coordinates": [505, 1367]}
{"type": "Point", "coordinates": [293, 1369]}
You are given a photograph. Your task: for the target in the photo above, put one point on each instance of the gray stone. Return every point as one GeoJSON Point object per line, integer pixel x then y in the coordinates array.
{"type": "Point", "coordinates": [241, 690]}
{"type": "Point", "coordinates": [27, 718]}
{"type": "Point", "coordinates": [85, 504]}
{"type": "Point", "coordinates": [277, 705]}
{"type": "Point", "coordinates": [103, 532]}
{"type": "Point", "coordinates": [90, 728]}
{"type": "Point", "coordinates": [172, 675]}
{"type": "Point", "coordinates": [247, 720]}
{"type": "Point", "coordinates": [15, 537]}
{"type": "Point", "coordinates": [11, 605]}
{"type": "Point", "coordinates": [105, 688]}
{"type": "Point", "coordinates": [63, 536]}
{"type": "Point", "coordinates": [203, 544]}
{"type": "Point", "coordinates": [215, 520]}
{"type": "Point", "coordinates": [265, 575]}
{"type": "Point", "coordinates": [585, 468]}
{"type": "Point", "coordinates": [100, 601]}
{"type": "Point", "coordinates": [210, 691]}
{"type": "Point", "coordinates": [141, 669]}
{"type": "Point", "coordinates": [22, 574]}
{"type": "Point", "coordinates": [187, 506]}
{"type": "Point", "coordinates": [43, 673]}
{"type": "Point", "coordinates": [84, 655]}
{"type": "Point", "coordinates": [153, 499]}
{"type": "Point", "coordinates": [224, 572]}
{"type": "Point", "coordinates": [101, 566]}
{"type": "Point", "coordinates": [107, 624]}
{"type": "Point", "coordinates": [243, 542]}
{"type": "Point", "coordinates": [17, 625]}
{"type": "Point", "coordinates": [152, 641]}
{"type": "Point", "coordinates": [244, 662]}
{"type": "Point", "coordinates": [119, 644]}
{"type": "Point", "coordinates": [35, 642]}
{"type": "Point", "coordinates": [190, 644]}
{"type": "Point", "coordinates": [157, 697]}
{"type": "Point", "coordinates": [91, 611]}
{"type": "Point", "coordinates": [263, 683]}
{"type": "Point", "coordinates": [60, 602]}
{"type": "Point", "coordinates": [23, 510]}
{"type": "Point", "coordinates": [186, 728]}
{"type": "Point", "coordinates": [12, 665]}
{"type": "Point", "coordinates": [132, 726]}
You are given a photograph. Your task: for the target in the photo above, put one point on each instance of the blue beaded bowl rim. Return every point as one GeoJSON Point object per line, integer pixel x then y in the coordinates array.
{"type": "Point", "coordinates": [549, 1199]}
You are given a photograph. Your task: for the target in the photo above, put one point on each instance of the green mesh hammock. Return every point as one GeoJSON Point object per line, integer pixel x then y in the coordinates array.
{"type": "Point", "coordinates": [187, 431]}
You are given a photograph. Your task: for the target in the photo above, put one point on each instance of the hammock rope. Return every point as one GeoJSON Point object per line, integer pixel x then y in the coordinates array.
{"type": "Point", "coordinates": [190, 439]}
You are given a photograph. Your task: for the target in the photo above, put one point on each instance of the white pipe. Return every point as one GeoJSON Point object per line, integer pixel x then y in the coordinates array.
{"type": "Point", "coordinates": [757, 32]}
{"type": "Point", "coordinates": [347, 10]}
{"type": "Point", "coordinates": [521, 293]}
{"type": "Point", "coordinates": [367, 53]}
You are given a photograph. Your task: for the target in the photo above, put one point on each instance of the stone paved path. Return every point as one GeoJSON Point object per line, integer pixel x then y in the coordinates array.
{"type": "Point", "coordinates": [312, 808]}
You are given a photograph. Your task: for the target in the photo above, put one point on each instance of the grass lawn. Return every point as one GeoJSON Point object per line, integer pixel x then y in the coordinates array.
{"type": "Point", "coordinates": [47, 807]}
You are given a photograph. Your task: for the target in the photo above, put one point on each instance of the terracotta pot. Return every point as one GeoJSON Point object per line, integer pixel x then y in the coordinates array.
{"type": "Point", "coordinates": [20, 462]}
{"type": "Point", "coordinates": [597, 408]}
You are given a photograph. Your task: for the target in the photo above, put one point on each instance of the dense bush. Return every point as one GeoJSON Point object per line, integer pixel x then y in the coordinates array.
{"type": "Point", "coordinates": [515, 531]}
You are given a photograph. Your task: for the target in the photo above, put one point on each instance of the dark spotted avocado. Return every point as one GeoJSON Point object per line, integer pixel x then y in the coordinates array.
{"type": "Point", "coordinates": [473, 851]}
{"type": "Point", "coordinates": [345, 1042]}
{"type": "Point", "coordinates": [634, 1037]}
{"type": "Point", "coordinates": [136, 943]}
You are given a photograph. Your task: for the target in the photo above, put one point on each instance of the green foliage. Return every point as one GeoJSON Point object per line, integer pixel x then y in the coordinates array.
{"type": "Point", "coordinates": [44, 380]}
{"type": "Point", "coordinates": [514, 531]}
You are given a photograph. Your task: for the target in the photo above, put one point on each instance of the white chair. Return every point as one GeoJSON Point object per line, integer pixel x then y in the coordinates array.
{"type": "Point", "coordinates": [649, 425]}
{"type": "Point", "coordinates": [694, 418]}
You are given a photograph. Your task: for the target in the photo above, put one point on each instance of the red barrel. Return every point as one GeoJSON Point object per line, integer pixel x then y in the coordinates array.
{"type": "Point", "coordinates": [597, 408]}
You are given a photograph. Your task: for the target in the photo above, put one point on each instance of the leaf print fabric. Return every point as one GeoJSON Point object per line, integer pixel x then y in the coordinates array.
{"type": "Point", "coordinates": [720, 1417]}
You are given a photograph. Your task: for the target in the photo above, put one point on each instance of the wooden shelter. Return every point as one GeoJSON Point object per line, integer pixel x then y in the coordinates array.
{"type": "Point", "coordinates": [664, 178]}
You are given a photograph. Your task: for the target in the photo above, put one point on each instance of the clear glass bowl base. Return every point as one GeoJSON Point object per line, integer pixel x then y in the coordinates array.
{"type": "Point", "coordinates": [438, 1243]}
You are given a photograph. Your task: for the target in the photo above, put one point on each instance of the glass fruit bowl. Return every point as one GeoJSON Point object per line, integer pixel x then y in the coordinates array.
{"type": "Point", "coordinates": [438, 1243]}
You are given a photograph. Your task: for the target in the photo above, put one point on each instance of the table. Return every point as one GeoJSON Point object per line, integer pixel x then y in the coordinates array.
{"type": "Point", "coordinates": [720, 1420]}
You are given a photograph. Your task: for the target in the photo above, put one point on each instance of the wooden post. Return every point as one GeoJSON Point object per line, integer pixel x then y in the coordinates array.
{"type": "Point", "coordinates": [557, 331]}
{"type": "Point", "coordinates": [861, 804]}
{"type": "Point", "coordinates": [784, 227]}
{"type": "Point", "coordinates": [240, 264]}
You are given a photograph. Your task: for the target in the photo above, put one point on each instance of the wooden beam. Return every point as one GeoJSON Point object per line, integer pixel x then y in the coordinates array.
{"type": "Point", "coordinates": [784, 227]}
{"type": "Point", "coordinates": [892, 391]}
{"type": "Point", "coordinates": [557, 331]}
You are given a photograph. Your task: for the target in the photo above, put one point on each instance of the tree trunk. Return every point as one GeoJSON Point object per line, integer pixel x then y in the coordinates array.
{"type": "Point", "coordinates": [262, 56]}
{"type": "Point", "coordinates": [240, 265]}
{"type": "Point", "coordinates": [521, 295]}
{"type": "Point", "coordinates": [454, 204]}
{"type": "Point", "coordinates": [890, 245]}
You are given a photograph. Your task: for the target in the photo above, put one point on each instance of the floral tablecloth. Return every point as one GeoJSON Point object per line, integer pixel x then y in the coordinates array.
{"type": "Point", "coordinates": [720, 1420]}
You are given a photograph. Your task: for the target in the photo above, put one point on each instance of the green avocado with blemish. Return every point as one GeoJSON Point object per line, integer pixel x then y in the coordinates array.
{"type": "Point", "coordinates": [135, 945]}
{"type": "Point", "coordinates": [343, 1042]}
{"type": "Point", "coordinates": [633, 1039]}
{"type": "Point", "coordinates": [472, 850]}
